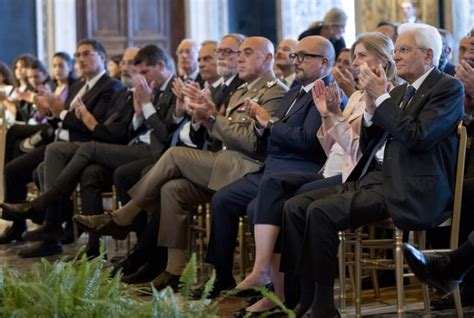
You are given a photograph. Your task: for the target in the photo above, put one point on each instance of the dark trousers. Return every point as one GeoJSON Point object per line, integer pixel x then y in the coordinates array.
{"type": "Point", "coordinates": [15, 135]}
{"type": "Point", "coordinates": [311, 222]}
{"type": "Point", "coordinates": [106, 155]}
{"type": "Point", "coordinates": [228, 204]}
{"type": "Point", "coordinates": [18, 173]}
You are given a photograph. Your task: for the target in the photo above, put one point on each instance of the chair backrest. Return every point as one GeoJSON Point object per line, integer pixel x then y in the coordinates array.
{"type": "Point", "coordinates": [3, 137]}
{"type": "Point", "coordinates": [458, 187]}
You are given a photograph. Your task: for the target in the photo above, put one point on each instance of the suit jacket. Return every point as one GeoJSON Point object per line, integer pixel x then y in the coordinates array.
{"type": "Point", "coordinates": [420, 153]}
{"type": "Point", "coordinates": [96, 100]}
{"type": "Point", "coordinates": [161, 122]}
{"type": "Point", "coordinates": [346, 134]}
{"type": "Point", "coordinates": [235, 130]}
{"type": "Point", "coordinates": [292, 144]}
{"type": "Point", "coordinates": [221, 98]}
{"type": "Point", "coordinates": [120, 113]}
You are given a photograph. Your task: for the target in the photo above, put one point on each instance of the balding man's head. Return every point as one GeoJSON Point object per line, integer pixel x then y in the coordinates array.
{"type": "Point", "coordinates": [255, 58]}
{"type": "Point", "coordinates": [127, 67]}
{"type": "Point", "coordinates": [282, 56]}
{"type": "Point", "coordinates": [187, 54]}
{"type": "Point", "coordinates": [314, 59]}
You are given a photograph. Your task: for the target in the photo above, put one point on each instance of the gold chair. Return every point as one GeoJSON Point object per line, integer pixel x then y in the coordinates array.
{"type": "Point", "coordinates": [396, 244]}
{"type": "Point", "coordinates": [3, 136]}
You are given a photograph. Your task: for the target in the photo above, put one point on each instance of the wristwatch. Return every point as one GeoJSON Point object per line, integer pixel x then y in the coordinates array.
{"type": "Point", "coordinates": [212, 118]}
{"type": "Point", "coordinates": [270, 125]}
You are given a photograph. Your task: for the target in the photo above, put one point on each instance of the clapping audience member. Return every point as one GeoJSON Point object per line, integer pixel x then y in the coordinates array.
{"type": "Point", "coordinates": [332, 28]}
{"type": "Point", "coordinates": [409, 135]}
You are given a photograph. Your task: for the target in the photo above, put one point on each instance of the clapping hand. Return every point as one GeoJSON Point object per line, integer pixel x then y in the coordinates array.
{"type": "Point", "coordinates": [374, 83]}
{"type": "Point", "coordinates": [143, 91]}
{"type": "Point", "coordinates": [257, 112]}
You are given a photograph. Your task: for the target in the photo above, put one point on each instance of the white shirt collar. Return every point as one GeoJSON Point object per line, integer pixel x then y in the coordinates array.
{"type": "Point", "coordinates": [416, 84]}
{"type": "Point", "coordinates": [94, 80]}
{"type": "Point", "coordinates": [227, 83]}
{"type": "Point", "coordinates": [165, 84]}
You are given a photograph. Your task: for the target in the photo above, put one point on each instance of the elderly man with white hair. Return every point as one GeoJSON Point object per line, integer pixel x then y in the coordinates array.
{"type": "Point", "coordinates": [406, 173]}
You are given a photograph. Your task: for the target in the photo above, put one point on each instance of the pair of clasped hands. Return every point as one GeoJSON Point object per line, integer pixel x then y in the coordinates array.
{"type": "Point", "coordinates": [328, 98]}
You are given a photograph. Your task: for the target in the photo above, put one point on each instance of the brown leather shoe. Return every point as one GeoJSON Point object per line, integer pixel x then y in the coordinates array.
{"type": "Point", "coordinates": [92, 223]}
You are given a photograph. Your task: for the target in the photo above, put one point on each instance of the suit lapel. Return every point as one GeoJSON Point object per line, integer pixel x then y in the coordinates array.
{"type": "Point", "coordinates": [302, 102]}
{"type": "Point", "coordinates": [166, 95]}
{"type": "Point", "coordinates": [428, 83]}
{"type": "Point", "coordinates": [92, 93]}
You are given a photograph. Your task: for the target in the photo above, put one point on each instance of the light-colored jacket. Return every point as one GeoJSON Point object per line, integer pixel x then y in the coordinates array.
{"type": "Point", "coordinates": [236, 131]}
{"type": "Point", "coordinates": [346, 132]}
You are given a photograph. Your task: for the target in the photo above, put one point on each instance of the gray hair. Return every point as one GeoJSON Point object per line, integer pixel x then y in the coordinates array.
{"type": "Point", "coordinates": [426, 36]}
{"type": "Point", "coordinates": [239, 38]}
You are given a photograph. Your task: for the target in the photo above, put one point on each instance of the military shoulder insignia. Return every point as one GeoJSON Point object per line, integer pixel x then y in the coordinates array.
{"type": "Point", "coordinates": [242, 86]}
{"type": "Point", "coordinates": [270, 84]}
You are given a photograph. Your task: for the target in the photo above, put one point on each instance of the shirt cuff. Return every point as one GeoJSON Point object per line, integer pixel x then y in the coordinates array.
{"type": "Point", "coordinates": [63, 114]}
{"type": "Point", "coordinates": [137, 122]}
{"type": "Point", "coordinates": [196, 126]}
{"type": "Point", "coordinates": [381, 99]}
{"type": "Point", "coordinates": [177, 120]}
{"type": "Point", "coordinates": [64, 135]}
{"type": "Point", "coordinates": [148, 110]}
{"type": "Point", "coordinates": [259, 131]}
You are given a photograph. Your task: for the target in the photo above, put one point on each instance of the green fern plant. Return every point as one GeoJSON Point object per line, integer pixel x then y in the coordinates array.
{"type": "Point", "coordinates": [84, 288]}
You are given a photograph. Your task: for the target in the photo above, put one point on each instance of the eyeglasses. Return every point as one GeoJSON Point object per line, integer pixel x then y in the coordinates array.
{"type": "Point", "coordinates": [246, 52]}
{"type": "Point", "coordinates": [84, 54]}
{"type": "Point", "coordinates": [301, 56]}
{"type": "Point", "coordinates": [406, 49]}
{"type": "Point", "coordinates": [226, 52]}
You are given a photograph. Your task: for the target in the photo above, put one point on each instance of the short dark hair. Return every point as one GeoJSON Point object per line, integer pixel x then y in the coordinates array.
{"type": "Point", "coordinates": [37, 65]}
{"type": "Point", "coordinates": [151, 54]}
{"type": "Point", "coordinates": [388, 23]}
{"type": "Point", "coordinates": [95, 44]}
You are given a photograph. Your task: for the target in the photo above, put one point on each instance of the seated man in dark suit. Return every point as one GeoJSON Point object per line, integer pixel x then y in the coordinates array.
{"type": "Point", "coordinates": [183, 177]}
{"type": "Point", "coordinates": [152, 126]}
{"type": "Point", "coordinates": [290, 139]}
{"type": "Point", "coordinates": [406, 173]}
{"type": "Point", "coordinates": [96, 93]}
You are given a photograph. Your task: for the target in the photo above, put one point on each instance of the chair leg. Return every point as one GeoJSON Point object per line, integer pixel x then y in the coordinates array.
{"type": "Point", "coordinates": [242, 249]}
{"type": "Point", "coordinates": [399, 272]}
{"type": "Point", "coordinates": [373, 273]}
{"type": "Point", "coordinates": [358, 271]}
{"type": "Point", "coordinates": [342, 272]}
{"type": "Point", "coordinates": [457, 303]}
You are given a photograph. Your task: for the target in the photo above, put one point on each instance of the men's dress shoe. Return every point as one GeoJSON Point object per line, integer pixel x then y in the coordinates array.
{"type": "Point", "coordinates": [46, 232]}
{"type": "Point", "coordinates": [23, 211]}
{"type": "Point", "coordinates": [40, 249]}
{"type": "Point", "coordinates": [250, 292]}
{"type": "Point", "coordinates": [12, 233]}
{"type": "Point", "coordinates": [116, 231]}
{"type": "Point", "coordinates": [144, 274]}
{"type": "Point", "coordinates": [432, 269]}
{"type": "Point", "coordinates": [272, 312]}
{"type": "Point", "coordinates": [92, 223]}
{"type": "Point", "coordinates": [217, 289]}
{"type": "Point", "coordinates": [166, 279]}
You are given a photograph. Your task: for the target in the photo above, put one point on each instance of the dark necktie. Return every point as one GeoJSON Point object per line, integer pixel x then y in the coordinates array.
{"type": "Point", "coordinates": [300, 95]}
{"type": "Point", "coordinates": [409, 93]}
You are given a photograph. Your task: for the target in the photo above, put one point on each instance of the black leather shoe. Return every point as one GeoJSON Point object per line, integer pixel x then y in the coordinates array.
{"type": "Point", "coordinates": [166, 279]}
{"type": "Point", "coordinates": [23, 211]}
{"type": "Point", "coordinates": [45, 232]}
{"type": "Point", "coordinates": [41, 249]}
{"type": "Point", "coordinates": [12, 233]}
{"type": "Point", "coordinates": [144, 274]}
{"type": "Point", "coordinates": [249, 292]}
{"type": "Point", "coordinates": [218, 288]}
{"type": "Point", "coordinates": [432, 269]}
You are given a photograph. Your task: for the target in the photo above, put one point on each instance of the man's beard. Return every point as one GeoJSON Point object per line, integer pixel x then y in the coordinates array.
{"type": "Point", "coordinates": [225, 71]}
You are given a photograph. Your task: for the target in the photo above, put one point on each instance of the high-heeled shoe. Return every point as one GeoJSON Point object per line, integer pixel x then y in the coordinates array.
{"type": "Point", "coordinates": [250, 292]}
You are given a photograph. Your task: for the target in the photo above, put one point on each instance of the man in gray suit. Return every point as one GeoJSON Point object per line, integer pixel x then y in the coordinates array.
{"type": "Point", "coordinates": [183, 177]}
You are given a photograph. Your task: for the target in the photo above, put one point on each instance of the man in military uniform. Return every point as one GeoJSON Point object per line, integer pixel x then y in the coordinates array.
{"type": "Point", "coordinates": [183, 176]}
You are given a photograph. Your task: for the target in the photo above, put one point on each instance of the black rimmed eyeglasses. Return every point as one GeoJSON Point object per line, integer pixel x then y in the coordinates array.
{"type": "Point", "coordinates": [225, 52]}
{"type": "Point", "coordinates": [301, 56]}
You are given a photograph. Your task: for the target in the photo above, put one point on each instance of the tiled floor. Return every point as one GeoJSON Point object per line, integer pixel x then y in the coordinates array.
{"type": "Point", "coordinates": [371, 308]}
